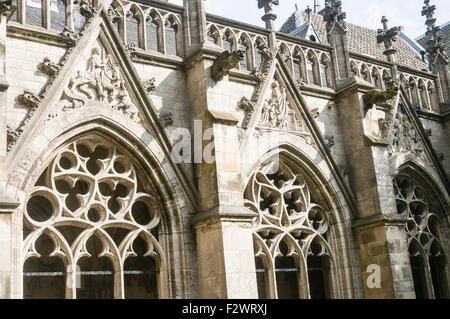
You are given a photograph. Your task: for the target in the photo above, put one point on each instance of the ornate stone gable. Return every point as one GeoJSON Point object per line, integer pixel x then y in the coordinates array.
{"type": "Point", "coordinates": [278, 114]}
{"type": "Point", "coordinates": [101, 80]}
{"type": "Point", "coordinates": [405, 139]}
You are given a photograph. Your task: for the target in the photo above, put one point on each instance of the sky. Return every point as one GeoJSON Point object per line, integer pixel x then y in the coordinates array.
{"type": "Point", "coordinates": [368, 13]}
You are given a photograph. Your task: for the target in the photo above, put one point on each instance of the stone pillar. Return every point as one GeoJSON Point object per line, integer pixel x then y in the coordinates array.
{"type": "Point", "coordinates": [380, 230]}
{"type": "Point", "coordinates": [223, 227]}
{"type": "Point", "coordinates": [194, 24]}
{"type": "Point", "coordinates": [7, 205]}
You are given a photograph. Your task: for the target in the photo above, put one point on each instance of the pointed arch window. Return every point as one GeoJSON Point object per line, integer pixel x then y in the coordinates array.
{"type": "Point", "coordinates": [213, 35]}
{"type": "Point", "coordinates": [57, 15]}
{"type": "Point", "coordinates": [245, 45]}
{"type": "Point", "coordinates": [171, 35]}
{"type": "Point", "coordinates": [425, 235]}
{"type": "Point", "coordinates": [325, 72]}
{"type": "Point", "coordinates": [33, 12]}
{"type": "Point", "coordinates": [292, 255]}
{"type": "Point", "coordinates": [91, 227]}
{"type": "Point", "coordinates": [152, 31]}
{"type": "Point", "coordinates": [424, 98]}
{"type": "Point", "coordinates": [258, 47]}
{"type": "Point", "coordinates": [133, 25]}
{"type": "Point", "coordinates": [78, 19]}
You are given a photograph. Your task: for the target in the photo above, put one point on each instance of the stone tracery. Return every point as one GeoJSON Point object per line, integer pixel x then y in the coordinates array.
{"type": "Point", "coordinates": [290, 223]}
{"type": "Point", "coordinates": [91, 192]}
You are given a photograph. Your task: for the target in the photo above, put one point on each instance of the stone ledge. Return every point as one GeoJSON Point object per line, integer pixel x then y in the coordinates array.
{"type": "Point", "coordinates": [7, 204]}
{"type": "Point", "coordinates": [345, 87]}
{"type": "Point", "coordinates": [379, 220]}
{"type": "Point", "coordinates": [223, 213]}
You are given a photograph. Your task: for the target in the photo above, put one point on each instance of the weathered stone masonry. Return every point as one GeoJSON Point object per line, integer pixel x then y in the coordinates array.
{"type": "Point", "coordinates": [331, 147]}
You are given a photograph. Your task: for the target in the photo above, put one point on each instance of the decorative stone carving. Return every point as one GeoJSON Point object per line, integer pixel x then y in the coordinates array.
{"type": "Point", "coordinates": [249, 108]}
{"type": "Point", "coordinates": [275, 112]}
{"type": "Point", "coordinates": [344, 169]}
{"type": "Point", "coordinates": [70, 35]}
{"type": "Point", "coordinates": [421, 226]}
{"type": "Point", "coordinates": [329, 140]}
{"type": "Point", "coordinates": [225, 62]}
{"type": "Point", "coordinates": [435, 39]}
{"type": "Point", "coordinates": [166, 118]}
{"type": "Point", "coordinates": [87, 10]}
{"type": "Point", "coordinates": [149, 85]}
{"type": "Point", "coordinates": [32, 101]}
{"type": "Point", "coordinates": [388, 36]}
{"type": "Point", "coordinates": [290, 221]}
{"type": "Point", "coordinates": [92, 194]}
{"type": "Point", "coordinates": [429, 132]}
{"type": "Point", "coordinates": [102, 81]}
{"type": "Point", "coordinates": [380, 96]}
{"type": "Point", "coordinates": [334, 14]}
{"type": "Point", "coordinates": [130, 48]}
{"type": "Point", "coordinates": [404, 137]}
{"type": "Point", "coordinates": [331, 104]}
{"type": "Point", "coordinates": [50, 68]}
{"type": "Point", "coordinates": [315, 113]}
{"type": "Point", "coordinates": [5, 7]}
{"type": "Point", "coordinates": [115, 14]}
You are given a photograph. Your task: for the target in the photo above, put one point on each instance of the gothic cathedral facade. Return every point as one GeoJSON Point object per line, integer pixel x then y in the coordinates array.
{"type": "Point", "coordinates": [151, 150]}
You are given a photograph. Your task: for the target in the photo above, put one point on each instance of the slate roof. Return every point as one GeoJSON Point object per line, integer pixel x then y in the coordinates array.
{"type": "Point", "coordinates": [361, 40]}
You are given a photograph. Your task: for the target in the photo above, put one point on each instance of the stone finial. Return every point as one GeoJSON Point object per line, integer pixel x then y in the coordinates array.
{"type": "Point", "coordinates": [435, 39]}
{"type": "Point", "coordinates": [388, 36]}
{"type": "Point", "coordinates": [269, 17]}
{"type": "Point", "coordinates": [333, 14]}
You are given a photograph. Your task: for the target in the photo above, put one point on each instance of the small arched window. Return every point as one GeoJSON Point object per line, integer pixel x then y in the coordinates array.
{"type": "Point", "coordinates": [326, 78]}
{"type": "Point", "coordinates": [152, 32]}
{"type": "Point", "coordinates": [133, 26]}
{"type": "Point", "coordinates": [57, 15]}
{"type": "Point", "coordinates": [245, 45]}
{"type": "Point", "coordinates": [434, 102]}
{"type": "Point", "coordinates": [414, 89]}
{"type": "Point", "coordinates": [213, 35]}
{"type": "Point", "coordinates": [365, 73]}
{"type": "Point", "coordinates": [424, 98]}
{"type": "Point", "coordinates": [259, 45]}
{"type": "Point", "coordinates": [33, 12]}
{"type": "Point", "coordinates": [228, 41]}
{"type": "Point", "coordinates": [354, 69]}
{"type": "Point", "coordinates": [171, 34]}
{"type": "Point", "coordinates": [376, 79]}
{"type": "Point", "coordinates": [78, 19]}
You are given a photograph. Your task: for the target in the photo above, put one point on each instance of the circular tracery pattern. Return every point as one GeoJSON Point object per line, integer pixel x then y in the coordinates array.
{"type": "Point", "coordinates": [89, 190]}
{"type": "Point", "coordinates": [422, 223]}
{"type": "Point", "coordinates": [289, 223]}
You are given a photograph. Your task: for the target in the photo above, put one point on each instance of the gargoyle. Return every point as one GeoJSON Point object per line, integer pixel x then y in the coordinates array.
{"type": "Point", "coordinates": [379, 96]}
{"type": "Point", "coordinates": [225, 62]}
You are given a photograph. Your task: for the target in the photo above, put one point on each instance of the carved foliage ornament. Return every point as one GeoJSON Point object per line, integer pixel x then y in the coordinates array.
{"type": "Point", "coordinates": [102, 81]}
{"type": "Point", "coordinates": [90, 189]}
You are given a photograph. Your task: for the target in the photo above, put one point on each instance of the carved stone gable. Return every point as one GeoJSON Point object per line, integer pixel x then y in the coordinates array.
{"type": "Point", "coordinates": [405, 139]}
{"type": "Point", "coordinates": [101, 80]}
{"type": "Point", "coordinates": [277, 114]}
